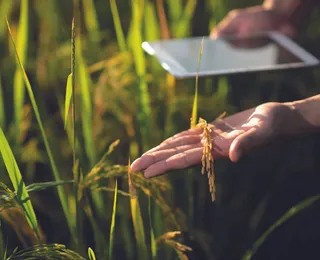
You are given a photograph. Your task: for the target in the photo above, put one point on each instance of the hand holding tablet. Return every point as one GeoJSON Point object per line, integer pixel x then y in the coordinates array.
{"type": "Point", "coordinates": [229, 54]}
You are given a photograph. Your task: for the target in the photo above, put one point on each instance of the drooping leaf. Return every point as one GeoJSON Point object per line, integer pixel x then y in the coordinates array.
{"type": "Point", "coordinates": [17, 182]}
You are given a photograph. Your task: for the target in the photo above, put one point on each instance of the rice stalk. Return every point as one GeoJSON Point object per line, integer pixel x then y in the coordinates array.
{"type": "Point", "coordinates": [180, 249]}
{"type": "Point", "coordinates": [194, 117]}
{"type": "Point", "coordinates": [91, 20]}
{"type": "Point", "coordinates": [137, 218]}
{"type": "Point", "coordinates": [5, 11]}
{"type": "Point", "coordinates": [113, 222]}
{"type": "Point", "coordinates": [22, 49]}
{"type": "Point", "coordinates": [175, 9]}
{"type": "Point", "coordinates": [2, 113]}
{"type": "Point", "coordinates": [183, 26]}
{"type": "Point", "coordinates": [52, 251]}
{"type": "Point", "coordinates": [61, 193]}
{"type": "Point", "coordinates": [18, 184]}
{"type": "Point", "coordinates": [152, 236]}
{"type": "Point", "coordinates": [144, 110]}
{"type": "Point", "coordinates": [117, 25]}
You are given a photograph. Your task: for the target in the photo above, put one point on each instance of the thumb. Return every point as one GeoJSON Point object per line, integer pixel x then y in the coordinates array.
{"type": "Point", "coordinates": [244, 143]}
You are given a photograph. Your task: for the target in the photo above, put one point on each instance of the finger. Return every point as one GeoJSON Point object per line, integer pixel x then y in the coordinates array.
{"type": "Point", "coordinates": [179, 161]}
{"type": "Point", "coordinates": [180, 140]}
{"type": "Point", "coordinates": [245, 142]}
{"type": "Point", "coordinates": [153, 157]}
{"type": "Point", "coordinates": [225, 27]}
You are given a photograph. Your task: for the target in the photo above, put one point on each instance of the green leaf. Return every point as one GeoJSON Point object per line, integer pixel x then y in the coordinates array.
{"type": "Point", "coordinates": [68, 99]}
{"type": "Point", "coordinates": [17, 182]}
{"type": "Point", "coordinates": [113, 221]}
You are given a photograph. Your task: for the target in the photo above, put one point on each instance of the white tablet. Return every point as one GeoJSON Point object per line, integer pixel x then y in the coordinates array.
{"type": "Point", "coordinates": [267, 51]}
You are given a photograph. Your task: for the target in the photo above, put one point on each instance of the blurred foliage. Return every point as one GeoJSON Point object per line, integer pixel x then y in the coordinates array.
{"type": "Point", "coordinates": [120, 94]}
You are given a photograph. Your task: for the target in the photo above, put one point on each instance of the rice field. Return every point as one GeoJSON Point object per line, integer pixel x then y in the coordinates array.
{"type": "Point", "coordinates": [79, 100]}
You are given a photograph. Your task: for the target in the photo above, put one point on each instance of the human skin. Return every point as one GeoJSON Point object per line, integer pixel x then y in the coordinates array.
{"type": "Point", "coordinates": [243, 132]}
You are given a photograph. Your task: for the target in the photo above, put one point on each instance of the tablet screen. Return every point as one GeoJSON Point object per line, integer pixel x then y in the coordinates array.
{"type": "Point", "coordinates": [222, 54]}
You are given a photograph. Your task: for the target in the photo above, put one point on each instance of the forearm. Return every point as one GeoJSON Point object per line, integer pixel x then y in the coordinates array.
{"type": "Point", "coordinates": [306, 115]}
{"type": "Point", "coordinates": [295, 10]}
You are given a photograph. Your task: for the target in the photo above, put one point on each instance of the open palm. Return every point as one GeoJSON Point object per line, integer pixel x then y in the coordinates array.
{"type": "Point", "coordinates": [232, 136]}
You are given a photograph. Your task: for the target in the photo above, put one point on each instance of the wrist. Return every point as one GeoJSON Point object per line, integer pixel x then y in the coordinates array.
{"type": "Point", "coordinates": [304, 116]}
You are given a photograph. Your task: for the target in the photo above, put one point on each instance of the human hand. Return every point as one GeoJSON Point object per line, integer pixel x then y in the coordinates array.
{"type": "Point", "coordinates": [233, 137]}
{"type": "Point", "coordinates": [244, 22]}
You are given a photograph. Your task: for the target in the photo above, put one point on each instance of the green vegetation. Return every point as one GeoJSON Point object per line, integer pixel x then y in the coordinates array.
{"type": "Point", "coordinates": [68, 129]}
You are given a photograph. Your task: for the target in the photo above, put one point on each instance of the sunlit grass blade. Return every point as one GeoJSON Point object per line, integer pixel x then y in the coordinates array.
{"type": "Point", "coordinates": [5, 10]}
{"type": "Point", "coordinates": [62, 195]}
{"type": "Point", "coordinates": [289, 214]}
{"type": "Point", "coordinates": [17, 182]}
{"type": "Point", "coordinates": [91, 254]}
{"type": "Point", "coordinates": [2, 113]}
{"type": "Point", "coordinates": [144, 110]}
{"type": "Point", "coordinates": [118, 27]}
{"type": "Point", "coordinates": [22, 48]}
{"type": "Point", "coordinates": [84, 80]}
{"type": "Point", "coordinates": [113, 221]}
{"type": "Point", "coordinates": [67, 99]}
{"type": "Point", "coordinates": [91, 20]}
{"type": "Point", "coordinates": [151, 25]}
{"type": "Point", "coordinates": [175, 10]}
{"type": "Point", "coordinates": [137, 219]}
{"type": "Point", "coordinates": [194, 116]}
{"type": "Point", "coordinates": [184, 24]}
{"type": "Point", "coordinates": [153, 240]}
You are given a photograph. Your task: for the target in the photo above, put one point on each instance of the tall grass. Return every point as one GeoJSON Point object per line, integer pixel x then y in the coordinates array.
{"type": "Point", "coordinates": [62, 196]}
{"type": "Point", "coordinates": [22, 49]}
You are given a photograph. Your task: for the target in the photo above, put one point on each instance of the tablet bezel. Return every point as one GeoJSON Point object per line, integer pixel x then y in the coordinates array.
{"type": "Point", "coordinates": [168, 62]}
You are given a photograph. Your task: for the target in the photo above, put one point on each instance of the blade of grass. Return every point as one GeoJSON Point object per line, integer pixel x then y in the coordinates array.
{"type": "Point", "coordinates": [153, 240]}
{"type": "Point", "coordinates": [84, 80]}
{"type": "Point", "coordinates": [289, 214]}
{"type": "Point", "coordinates": [117, 25]}
{"type": "Point", "coordinates": [175, 11]}
{"type": "Point", "coordinates": [61, 193]}
{"type": "Point", "coordinates": [144, 112]}
{"type": "Point", "coordinates": [67, 99]}
{"type": "Point", "coordinates": [5, 10]}
{"type": "Point", "coordinates": [2, 113]}
{"type": "Point", "coordinates": [22, 48]}
{"type": "Point", "coordinates": [151, 26]}
{"type": "Point", "coordinates": [113, 221]}
{"type": "Point", "coordinates": [194, 117]}
{"type": "Point", "coordinates": [183, 26]}
{"type": "Point", "coordinates": [137, 219]}
{"type": "Point", "coordinates": [91, 20]}
{"type": "Point", "coordinates": [17, 182]}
